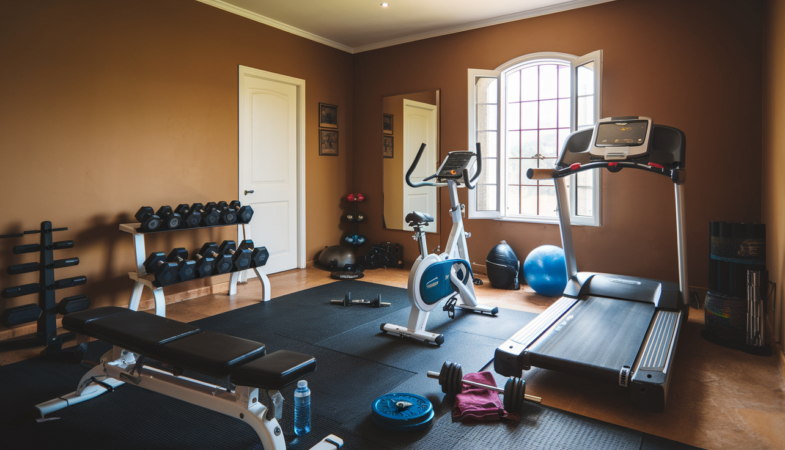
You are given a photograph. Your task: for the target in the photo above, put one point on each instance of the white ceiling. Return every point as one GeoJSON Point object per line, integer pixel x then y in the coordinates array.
{"type": "Point", "coordinates": [360, 25]}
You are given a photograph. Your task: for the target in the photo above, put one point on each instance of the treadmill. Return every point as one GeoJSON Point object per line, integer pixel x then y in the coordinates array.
{"type": "Point", "coordinates": [616, 328]}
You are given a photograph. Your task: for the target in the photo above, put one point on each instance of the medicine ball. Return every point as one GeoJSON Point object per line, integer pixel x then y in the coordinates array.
{"type": "Point", "coordinates": [336, 257]}
{"type": "Point", "coordinates": [503, 267]}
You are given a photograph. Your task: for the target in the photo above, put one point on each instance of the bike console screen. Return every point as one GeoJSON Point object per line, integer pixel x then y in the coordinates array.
{"type": "Point", "coordinates": [453, 165]}
{"type": "Point", "coordinates": [626, 134]}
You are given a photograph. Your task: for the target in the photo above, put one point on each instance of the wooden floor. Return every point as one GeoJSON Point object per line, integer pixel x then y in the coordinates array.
{"type": "Point", "coordinates": [719, 398]}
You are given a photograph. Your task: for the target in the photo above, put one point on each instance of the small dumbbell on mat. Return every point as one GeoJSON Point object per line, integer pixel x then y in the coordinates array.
{"type": "Point", "coordinates": [187, 268]}
{"type": "Point", "coordinates": [259, 255]}
{"type": "Point", "coordinates": [209, 218]}
{"type": "Point", "coordinates": [190, 217]}
{"type": "Point", "coordinates": [169, 218]}
{"type": "Point", "coordinates": [347, 301]}
{"type": "Point", "coordinates": [164, 273]}
{"type": "Point", "coordinates": [451, 380]}
{"type": "Point", "coordinates": [241, 258]}
{"type": "Point", "coordinates": [148, 220]}
{"type": "Point", "coordinates": [222, 262]}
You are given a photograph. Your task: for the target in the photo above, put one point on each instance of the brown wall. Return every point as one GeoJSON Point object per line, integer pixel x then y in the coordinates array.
{"type": "Point", "coordinates": [773, 185]}
{"type": "Point", "coordinates": [693, 65]}
{"type": "Point", "coordinates": [108, 106]}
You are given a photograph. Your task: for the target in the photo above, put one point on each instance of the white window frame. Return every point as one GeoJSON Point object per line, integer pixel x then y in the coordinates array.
{"type": "Point", "coordinates": [575, 62]}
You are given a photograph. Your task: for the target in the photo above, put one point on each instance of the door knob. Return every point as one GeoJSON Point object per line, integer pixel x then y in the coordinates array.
{"type": "Point", "coordinates": [248, 192]}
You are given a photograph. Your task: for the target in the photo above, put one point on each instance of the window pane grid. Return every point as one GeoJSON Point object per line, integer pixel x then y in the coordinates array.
{"type": "Point", "coordinates": [536, 96]}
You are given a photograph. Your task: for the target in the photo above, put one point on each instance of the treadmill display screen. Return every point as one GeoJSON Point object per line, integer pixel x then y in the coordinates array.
{"type": "Point", "coordinates": [622, 134]}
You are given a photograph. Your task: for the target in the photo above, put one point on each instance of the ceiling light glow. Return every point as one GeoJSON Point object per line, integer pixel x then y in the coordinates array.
{"type": "Point", "coordinates": [384, 5]}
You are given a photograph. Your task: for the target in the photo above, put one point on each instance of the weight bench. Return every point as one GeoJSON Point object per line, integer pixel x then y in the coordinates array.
{"type": "Point", "coordinates": [140, 338]}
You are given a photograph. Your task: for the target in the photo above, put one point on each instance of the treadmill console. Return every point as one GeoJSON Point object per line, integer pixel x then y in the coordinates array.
{"type": "Point", "coordinates": [453, 165]}
{"type": "Point", "coordinates": [620, 138]}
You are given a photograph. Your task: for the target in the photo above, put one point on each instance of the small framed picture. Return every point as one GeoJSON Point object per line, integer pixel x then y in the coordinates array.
{"type": "Point", "coordinates": [387, 124]}
{"type": "Point", "coordinates": [328, 116]}
{"type": "Point", "coordinates": [387, 146]}
{"type": "Point", "coordinates": [328, 142]}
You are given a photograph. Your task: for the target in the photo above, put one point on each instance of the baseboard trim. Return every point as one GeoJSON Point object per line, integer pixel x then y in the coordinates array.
{"type": "Point", "coordinates": [480, 268]}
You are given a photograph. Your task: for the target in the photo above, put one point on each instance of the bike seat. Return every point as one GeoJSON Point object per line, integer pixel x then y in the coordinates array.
{"type": "Point", "coordinates": [417, 218]}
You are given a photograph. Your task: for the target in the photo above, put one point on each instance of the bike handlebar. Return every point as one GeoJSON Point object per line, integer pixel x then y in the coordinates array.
{"type": "Point", "coordinates": [466, 180]}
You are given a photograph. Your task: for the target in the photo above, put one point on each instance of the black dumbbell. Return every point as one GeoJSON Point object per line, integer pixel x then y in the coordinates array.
{"type": "Point", "coordinates": [259, 255]}
{"type": "Point", "coordinates": [347, 301]}
{"type": "Point", "coordinates": [222, 262]}
{"type": "Point", "coordinates": [148, 220]}
{"type": "Point", "coordinates": [170, 219]}
{"type": "Point", "coordinates": [165, 272]}
{"type": "Point", "coordinates": [244, 213]}
{"type": "Point", "coordinates": [451, 380]}
{"type": "Point", "coordinates": [240, 257]}
{"type": "Point", "coordinates": [209, 217]}
{"type": "Point", "coordinates": [190, 217]}
{"type": "Point", "coordinates": [187, 268]}
{"type": "Point", "coordinates": [226, 214]}
{"type": "Point", "coordinates": [360, 217]}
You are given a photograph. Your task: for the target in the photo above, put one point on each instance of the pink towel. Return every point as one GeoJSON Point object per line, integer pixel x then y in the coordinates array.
{"type": "Point", "coordinates": [477, 404]}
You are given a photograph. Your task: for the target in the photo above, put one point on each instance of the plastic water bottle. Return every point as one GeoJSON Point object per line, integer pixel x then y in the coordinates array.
{"type": "Point", "coordinates": [302, 408]}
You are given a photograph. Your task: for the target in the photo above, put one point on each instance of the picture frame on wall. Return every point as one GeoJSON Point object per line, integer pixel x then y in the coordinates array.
{"type": "Point", "coordinates": [387, 147]}
{"type": "Point", "coordinates": [387, 123]}
{"type": "Point", "coordinates": [328, 142]}
{"type": "Point", "coordinates": [328, 115]}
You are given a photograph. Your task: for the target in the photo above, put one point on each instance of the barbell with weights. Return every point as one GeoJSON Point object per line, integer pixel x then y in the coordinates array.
{"type": "Point", "coordinates": [451, 380]}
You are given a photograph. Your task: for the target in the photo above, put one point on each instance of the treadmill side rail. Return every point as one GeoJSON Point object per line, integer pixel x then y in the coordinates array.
{"type": "Point", "coordinates": [510, 358]}
{"type": "Point", "coordinates": [652, 371]}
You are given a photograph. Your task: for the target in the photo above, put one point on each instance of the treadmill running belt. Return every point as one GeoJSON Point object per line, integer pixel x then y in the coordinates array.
{"type": "Point", "coordinates": [596, 338]}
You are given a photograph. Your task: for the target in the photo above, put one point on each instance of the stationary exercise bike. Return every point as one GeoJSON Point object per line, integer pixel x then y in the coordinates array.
{"type": "Point", "coordinates": [448, 276]}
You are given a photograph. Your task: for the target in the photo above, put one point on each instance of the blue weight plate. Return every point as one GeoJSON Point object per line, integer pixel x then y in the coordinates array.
{"type": "Point", "coordinates": [408, 426]}
{"type": "Point", "coordinates": [386, 411]}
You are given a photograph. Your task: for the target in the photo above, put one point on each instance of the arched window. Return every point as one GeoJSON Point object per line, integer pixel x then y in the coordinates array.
{"type": "Point", "coordinates": [544, 97]}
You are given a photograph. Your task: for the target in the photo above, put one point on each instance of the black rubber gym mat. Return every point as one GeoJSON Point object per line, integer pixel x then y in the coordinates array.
{"type": "Point", "coordinates": [355, 364]}
{"type": "Point", "coordinates": [309, 316]}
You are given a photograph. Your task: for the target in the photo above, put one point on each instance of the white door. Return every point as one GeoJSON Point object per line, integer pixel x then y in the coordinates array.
{"type": "Point", "coordinates": [419, 126]}
{"type": "Point", "coordinates": [269, 180]}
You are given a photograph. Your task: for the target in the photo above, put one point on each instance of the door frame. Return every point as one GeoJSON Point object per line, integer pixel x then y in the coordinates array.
{"type": "Point", "coordinates": [435, 109]}
{"type": "Point", "coordinates": [299, 84]}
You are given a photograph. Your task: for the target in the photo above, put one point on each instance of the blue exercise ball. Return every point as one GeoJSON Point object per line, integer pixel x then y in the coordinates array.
{"type": "Point", "coordinates": [545, 271]}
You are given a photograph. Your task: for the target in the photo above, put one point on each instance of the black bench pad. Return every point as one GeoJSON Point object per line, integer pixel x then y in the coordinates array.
{"type": "Point", "coordinates": [138, 331]}
{"type": "Point", "coordinates": [76, 321]}
{"type": "Point", "coordinates": [275, 370]}
{"type": "Point", "coordinates": [210, 353]}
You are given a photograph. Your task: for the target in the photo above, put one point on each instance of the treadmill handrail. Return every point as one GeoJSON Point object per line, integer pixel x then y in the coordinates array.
{"type": "Point", "coordinates": [678, 176]}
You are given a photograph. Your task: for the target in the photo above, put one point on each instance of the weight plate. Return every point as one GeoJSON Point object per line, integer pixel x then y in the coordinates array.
{"type": "Point", "coordinates": [409, 426]}
{"type": "Point", "coordinates": [386, 413]}
{"type": "Point", "coordinates": [514, 394]}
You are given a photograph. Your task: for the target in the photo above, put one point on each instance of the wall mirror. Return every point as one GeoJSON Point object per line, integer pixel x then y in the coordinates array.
{"type": "Point", "coordinates": [408, 121]}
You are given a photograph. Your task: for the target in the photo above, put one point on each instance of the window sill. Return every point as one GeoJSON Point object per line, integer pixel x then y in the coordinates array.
{"type": "Point", "coordinates": [554, 221]}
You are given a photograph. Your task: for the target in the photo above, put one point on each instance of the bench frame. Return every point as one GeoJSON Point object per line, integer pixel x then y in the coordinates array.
{"type": "Point", "coordinates": [118, 365]}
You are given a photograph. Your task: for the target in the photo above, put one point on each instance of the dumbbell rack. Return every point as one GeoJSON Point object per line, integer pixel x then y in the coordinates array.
{"type": "Point", "coordinates": [355, 223]}
{"type": "Point", "coordinates": [46, 333]}
{"type": "Point", "coordinates": [142, 279]}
